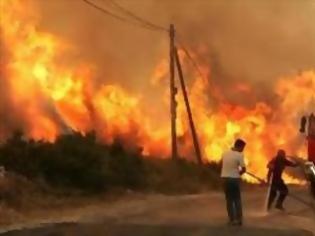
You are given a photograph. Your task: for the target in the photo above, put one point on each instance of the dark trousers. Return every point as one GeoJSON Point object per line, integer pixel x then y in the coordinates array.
{"type": "Point", "coordinates": [313, 187]}
{"type": "Point", "coordinates": [281, 187]}
{"type": "Point", "coordinates": [233, 198]}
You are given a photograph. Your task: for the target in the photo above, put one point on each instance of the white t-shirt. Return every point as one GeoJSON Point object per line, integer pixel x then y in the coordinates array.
{"type": "Point", "coordinates": [231, 163]}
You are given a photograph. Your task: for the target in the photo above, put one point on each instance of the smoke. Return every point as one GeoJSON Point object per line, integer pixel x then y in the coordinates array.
{"type": "Point", "coordinates": [246, 45]}
{"type": "Point", "coordinates": [7, 113]}
{"type": "Point", "coordinates": [63, 59]}
{"type": "Point", "coordinates": [243, 41]}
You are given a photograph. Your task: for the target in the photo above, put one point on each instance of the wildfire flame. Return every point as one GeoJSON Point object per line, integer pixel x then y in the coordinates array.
{"type": "Point", "coordinates": [47, 96]}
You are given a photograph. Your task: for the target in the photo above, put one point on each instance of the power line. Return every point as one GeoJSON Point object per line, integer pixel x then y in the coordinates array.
{"type": "Point", "coordinates": [135, 17]}
{"type": "Point", "coordinates": [196, 66]}
{"type": "Point", "coordinates": [131, 18]}
{"type": "Point", "coordinates": [104, 11]}
{"type": "Point", "coordinates": [192, 60]}
{"type": "Point", "coordinates": [121, 18]}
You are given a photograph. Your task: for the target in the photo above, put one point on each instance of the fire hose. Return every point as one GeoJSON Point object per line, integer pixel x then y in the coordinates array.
{"type": "Point", "coordinates": [290, 194]}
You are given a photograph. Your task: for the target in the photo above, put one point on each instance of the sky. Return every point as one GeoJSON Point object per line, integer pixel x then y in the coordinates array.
{"type": "Point", "coordinates": [251, 42]}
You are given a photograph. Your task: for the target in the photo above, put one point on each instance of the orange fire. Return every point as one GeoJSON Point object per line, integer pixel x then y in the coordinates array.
{"type": "Point", "coordinates": [48, 96]}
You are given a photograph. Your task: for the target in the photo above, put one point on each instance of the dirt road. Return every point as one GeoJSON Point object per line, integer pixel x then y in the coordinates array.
{"type": "Point", "coordinates": [202, 214]}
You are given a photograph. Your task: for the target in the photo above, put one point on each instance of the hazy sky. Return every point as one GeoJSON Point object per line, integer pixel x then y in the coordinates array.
{"type": "Point", "coordinates": [253, 41]}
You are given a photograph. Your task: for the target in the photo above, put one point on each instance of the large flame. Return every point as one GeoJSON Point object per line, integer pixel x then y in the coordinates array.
{"type": "Point", "coordinates": [47, 96]}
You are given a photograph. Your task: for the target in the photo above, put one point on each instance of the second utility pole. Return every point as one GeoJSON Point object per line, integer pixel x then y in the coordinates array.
{"type": "Point", "coordinates": [173, 91]}
{"type": "Point", "coordinates": [188, 109]}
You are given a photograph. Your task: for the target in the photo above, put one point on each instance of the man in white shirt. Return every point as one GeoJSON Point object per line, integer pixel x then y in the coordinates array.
{"type": "Point", "coordinates": [233, 166]}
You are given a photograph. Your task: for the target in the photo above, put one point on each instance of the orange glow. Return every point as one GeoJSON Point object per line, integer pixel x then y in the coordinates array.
{"type": "Point", "coordinates": [49, 96]}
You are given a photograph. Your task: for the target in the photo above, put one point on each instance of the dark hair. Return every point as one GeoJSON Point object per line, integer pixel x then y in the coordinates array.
{"type": "Point", "coordinates": [239, 143]}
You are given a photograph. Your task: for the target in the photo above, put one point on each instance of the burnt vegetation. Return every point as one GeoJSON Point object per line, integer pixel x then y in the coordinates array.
{"type": "Point", "coordinates": [76, 162]}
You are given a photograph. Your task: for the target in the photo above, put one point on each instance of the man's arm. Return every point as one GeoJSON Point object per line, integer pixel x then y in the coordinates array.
{"type": "Point", "coordinates": [243, 170]}
{"type": "Point", "coordinates": [290, 163]}
{"type": "Point", "coordinates": [242, 165]}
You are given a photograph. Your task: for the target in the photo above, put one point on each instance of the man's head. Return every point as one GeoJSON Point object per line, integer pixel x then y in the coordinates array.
{"type": "Point", "coordinates": [281, 153]}
{"type": "Point", "coordinates": [239, 145]}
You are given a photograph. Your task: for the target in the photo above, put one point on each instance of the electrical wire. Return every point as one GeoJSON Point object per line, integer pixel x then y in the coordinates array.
{"type": "Point", "coordinates": [131, 18]}
{"type": "Point", "coordinates": [196, 65]}
{"type": "Point", "coordinates": [135, 17]}
{"type": "Point", "coordinates": [125, 19]}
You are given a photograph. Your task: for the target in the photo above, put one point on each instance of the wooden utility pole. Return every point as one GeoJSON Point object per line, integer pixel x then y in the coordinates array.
{"type": "Point", "coordinates": [187, 104]}
{"type": "Point", "coordinates": [173, 91]}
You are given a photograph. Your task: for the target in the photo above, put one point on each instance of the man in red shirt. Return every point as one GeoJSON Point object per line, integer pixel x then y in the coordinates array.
{"type": "Point", "coordinates": [276, 167]}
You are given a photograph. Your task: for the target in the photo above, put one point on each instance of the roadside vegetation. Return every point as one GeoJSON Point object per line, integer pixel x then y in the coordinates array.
{"type": "Point", "coordinates": [78, 164]}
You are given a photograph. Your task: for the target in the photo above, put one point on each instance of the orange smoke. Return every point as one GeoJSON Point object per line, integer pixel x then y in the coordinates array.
{"type": "Point", "coordinates": [48, 96]}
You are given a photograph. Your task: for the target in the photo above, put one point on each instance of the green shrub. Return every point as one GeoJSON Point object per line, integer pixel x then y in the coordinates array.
{"type": "Point", "coordinates": [77, 161]}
